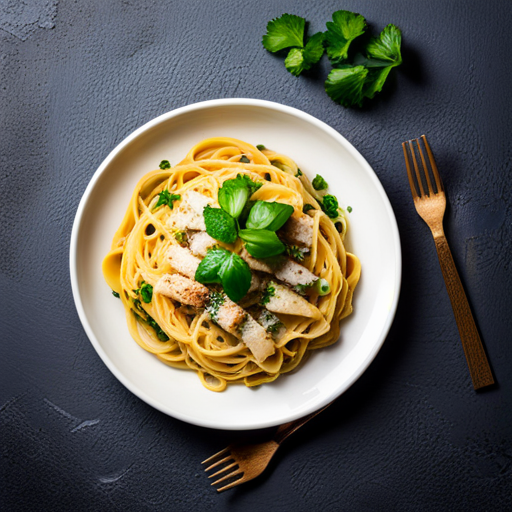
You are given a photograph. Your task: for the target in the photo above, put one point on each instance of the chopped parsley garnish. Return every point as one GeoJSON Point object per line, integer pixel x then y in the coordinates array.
{"type": "Point", "coordinates": [150, 321]}
{"type": "Point", "coordinates": [216, 301]}
{"type": "Point", "coordinates": [299, 173]}
{"type": "Point", "coordinates": [307, 207]}
{"type": "Point", "coordinates": [269, 292]}
{"type": "Point", "coordinates": [146, 292]}
{"type": "Point", "coordinates": [181, 237]}
{"type": "Point", "coordinates": [260, 147]}
{"type": "Point", "coordinates": [295, 252]}
{"type": "Point", "coordinates": [288, 31]}
{"type": "Point", "coordinates": [349, 209]}
{"type": "Point", "coordinates": [165, 164]}
{"type": "Point", "coordinates": [319, 183]}
{"type": "Point", "coordinates": [116, 295]}
{"type": "Point", "coordinates": [244, 160]}
{"type": "Point", "coordinates": [166, 198]}
{"type": "Point", "coordinates": [160, 333]}
{"type": "Point", "coordinates": [330, 206]}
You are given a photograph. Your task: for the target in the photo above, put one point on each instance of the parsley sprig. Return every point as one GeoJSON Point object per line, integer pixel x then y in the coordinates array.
{"type": "Point", "coordinates": [360, 68]}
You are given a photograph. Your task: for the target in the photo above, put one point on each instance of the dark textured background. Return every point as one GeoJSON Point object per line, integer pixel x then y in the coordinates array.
{"type": "Point", "coordinates": [411, 434]}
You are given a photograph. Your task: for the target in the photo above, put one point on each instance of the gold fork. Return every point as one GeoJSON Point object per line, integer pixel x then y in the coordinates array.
{"type": "Point", "coordinates": [430, 205]}
{"type": "Point", "coordinates": [245, 462]}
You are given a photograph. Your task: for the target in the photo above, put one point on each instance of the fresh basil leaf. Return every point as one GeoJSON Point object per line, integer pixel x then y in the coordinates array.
{"type": "Point", "coordinates": [232, 197]}
{"type": "Point", "coordinates": [261, 243]}
{"type": "Point", "coordinates": [234, 194]}
{"type": "Point", "coordinates": [270, 216]}
{"type": "Point", "coordinates": [208, 270]}
{"type": "Point", "coordinates": [219, 224]}
{"type": "Point", "coordinates": [235, 276]}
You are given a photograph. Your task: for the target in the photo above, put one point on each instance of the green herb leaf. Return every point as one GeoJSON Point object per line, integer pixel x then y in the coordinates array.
{"type": "Point", "coordinates": [219, 224]}
{"type": "Point", "coordinates": [330, 206]}
{"type": "Point", "coordinates": [116, 295]}
{"type": "Point", "coordinates": [244, 160]}
{"type": "Point", "coordinates": [284, 32]}
{"type": "Point", "coordinates": [345, 85]}
{"type": "Point", "coordinates": [165, 164]}
{"type": "Point", "coordinates": [307, 207]}
{"type": "Point", "coordinates": [208, 270]}
{"type": "Point", "coordinates": [349, 209]}
{"type": "Point", "coordinates": [299, 173]}
{"type": "Point", "coordinates": [262, 243]}
{"type": "Point", "coordinates": [301, 59]}
{"type": "Point", "coordinates": [319, 183]}
{"type": "Point", "coordinates": [260, 147]}
{"type": "Point", "coordinates": [181, 237]}
{"type": "Point", "coordinates": [387, 45]}
{"type": "Point", "coordinates": [270, 291]}
{"type": "Point", "coordinates": [234, 194]}
{"type": "Point", "coordinates": [216, 301]}
{"type": "Point", "coordinates": [235, 276]}
{"type": "Point", "coordinates": [146, 292]}
{"type": "Point", "coordinates": [295, 252]}
{"type": "Point", "coordinates": [232, 197]}
{"type": "Point", "coordinates": [270, 216]}
{"type": "Point", "coordinates": [341, 31]}
{"type": "Point", "coordinates": [166, 198]}
{"type": "Point", "coordinates": [386, 48]}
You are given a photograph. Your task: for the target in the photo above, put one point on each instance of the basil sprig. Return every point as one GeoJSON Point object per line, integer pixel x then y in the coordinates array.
{"type": "Point", "coordinates": [226, 268]}
{"type": "Point", "coordinates": [262, 220]}
{"type": "Point", "coordinates": [221, 223]}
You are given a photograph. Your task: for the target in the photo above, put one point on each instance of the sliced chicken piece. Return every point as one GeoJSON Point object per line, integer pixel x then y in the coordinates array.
{"type": "Point", "coordinates": [286, 270]}
{"type": "Point", "coordinates": [182, 289]}
{"type": "Point", "coordinates": [298, 229]}
{"type": "Point", "coordinates": [293, 273]}
{"type": "Point", "coordinates": [283, 300]}
{"type": "Point", "coordinates": [235, 320]}
{"type": "Point", "coordinates": [183, 261]}
{"type": "Point", "coordinates": [200, 242]}
{"type": "Point", "coordinates": [189, 215]}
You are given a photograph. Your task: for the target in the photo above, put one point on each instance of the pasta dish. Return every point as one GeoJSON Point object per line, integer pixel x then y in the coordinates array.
{"type": "Point", "coordinates": [232, 264]}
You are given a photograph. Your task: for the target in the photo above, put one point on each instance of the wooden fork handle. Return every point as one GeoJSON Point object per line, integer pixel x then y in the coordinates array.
{"type": "Point", "coordinates": [479, 368]}
{"type": "Point", "coordinates": [286, 429]}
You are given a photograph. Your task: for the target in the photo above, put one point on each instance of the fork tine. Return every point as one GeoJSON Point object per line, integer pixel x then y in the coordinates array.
{"type": "Point", "coordinates": [214, 456]}
{"type": "Point", "coordinates": [221, 461]}
{"type": "Point", "coordinates": [425, 168]}
{"type": "Point", "coordinates": [230, 475]}
{"type": "Point", "coordinates": [437, 177]}
{"type": "Point", "coordinates": [409, 171]}
{"type": "Point", "coordinates": [223, 470]}
{"type": "Point", "coordinates": [416, 168]}
{"type": "Point", "coordinates": [232, 484]}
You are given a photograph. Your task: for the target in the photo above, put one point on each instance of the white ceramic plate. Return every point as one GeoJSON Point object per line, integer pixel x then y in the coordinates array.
{"type": "Point", "coordinates": [373, 236]}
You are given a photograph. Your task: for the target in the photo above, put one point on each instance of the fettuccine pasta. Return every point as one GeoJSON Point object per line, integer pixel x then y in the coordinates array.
{"type": "Point", "coordinates": [194, 325]}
